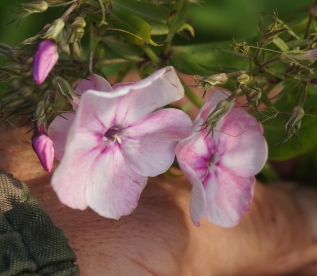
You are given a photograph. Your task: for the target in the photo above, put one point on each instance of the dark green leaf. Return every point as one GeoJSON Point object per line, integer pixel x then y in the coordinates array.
{"type": "Point", "coordinates": [274, 129]}
{"type": "Point", "coordinates": [188, 59]}
{"type": "Point", "coordinates": [177, 18]}
{"type": "Point", "coordinates": [124, 49]}
{"type": "Point", "coordinates": [154, 14]}
{"type": "Point", "coordinates": [133, 28]}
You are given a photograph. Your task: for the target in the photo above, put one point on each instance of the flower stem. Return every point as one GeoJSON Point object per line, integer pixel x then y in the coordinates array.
{"type": "Point", "coordinates": [69, 10]}
{"type": "Point", "coordinates": [269, 61]}
{"type": "Point", "coordinates": [304, 95]}
{"type": "Point", "coordinates": [150, 54]}
{"type": "Point", "coordinates": [191, 95]}
{"type": "Point", "coordinates": [166, 48]}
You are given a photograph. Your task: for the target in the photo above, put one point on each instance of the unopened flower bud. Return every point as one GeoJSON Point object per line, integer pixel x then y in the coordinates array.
{"type": "Point", "coordinates": [45, 58]}
{"type": "Point", "coordinates": [292, 56]}
{"type": "Point", "coordinates": [269, 36]}
{"type": "Point", "coordinates": [221, 109]}
{"type": "Point", "coordinates": [244, 79]}
{"type": "Point", "coordinates": [55, 30]}
{"type": "Point", "coordinates": [293, 124]}
{"type": "Point", "coordinates": [64, 89]}
{"type": "Point", "coordinates": [34, 7]}
{"type": "Point", "coordinates": [78, 22]}
{"type": "Point", "coordinates": [211, 81]}
{"type": "Point", "coordinates": [253, 96]}
{"type": "Point", "coordinates": [43, 146]}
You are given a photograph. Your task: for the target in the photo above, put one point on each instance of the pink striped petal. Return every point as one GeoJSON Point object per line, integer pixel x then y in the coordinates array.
{"type": "Point", "coordinates": [149, 145]}
{"type": "Point", "coordinates": [93, 82]}
{"type": "Point", "coordinates": [92, 174]}
{"type": "Point", "coordinates": [245, 154]}
{"type": "Point", "coordinates": [215, 97]}
{"type": "Point", "coordinates": [195, 151]}
{"type": "Point", "coordinates": [192, 161]}
{"type": "Point", "coordinates": [72, 177]}
{"type": "Point", "coordinates": [228, 197]}
{"type": "Point", "coordinates": [58, 132]}
{"type": "Point", "coordinates": [145, 96]}
{"type": "Point", "coordinates": [115, 188]}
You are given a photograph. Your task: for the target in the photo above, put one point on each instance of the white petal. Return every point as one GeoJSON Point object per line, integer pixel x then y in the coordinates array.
{"type": "Point", "coordinates": [93, 82]}
{"type": "Point", "coordinates": [228, 197]}
{"type": "Point", "coordinates": [149, 145]}
{"type": "Point", "coordinates": [241, 145]}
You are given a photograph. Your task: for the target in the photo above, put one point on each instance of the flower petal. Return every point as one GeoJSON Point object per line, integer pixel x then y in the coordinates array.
{"type": "Point", "coordinates": [93, 82]}
{"type": "Point", "coordinates": [73, 176]}
{"type": "Point", "coordinates": [117, 85]}
{"type": "Point", "coordinates": [149, 145]}
{"type": "Point", "coordinates": [195, 151]}
{"type": "Point", "coordinates": [228, 197]}
{"type": "Point", "coordinates": [95, 175]}
{"type": "Point", "coordinates": [244, 153]}
{"type": "Point", "coordinates": [197, 203]}
{"type": "Point", "coordinates": [215, 97]}
{"type": "Point", "coordinates": [115, 188]}
{"type": "Point", "coordinates": [58, 132]}
{"type": "Point", "coordinates": [147, 95]}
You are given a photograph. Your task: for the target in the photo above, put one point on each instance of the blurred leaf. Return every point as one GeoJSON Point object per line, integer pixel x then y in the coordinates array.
{"type": "Point", "coordinates": [177, 18]}
{"type": "Point", "coordinates": [154, 14]}
{"type": "Point", "coordinates": [191, 59]}
{"type": "Point", "coordinates": [122, 48]}
{"type": "Point", "coordinates": [274, 129]}
{"type": "Point", "coordinates": [133, 28]}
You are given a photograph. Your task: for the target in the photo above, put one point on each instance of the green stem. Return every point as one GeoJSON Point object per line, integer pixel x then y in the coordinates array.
{"type": "Point", "coordinates": [69, 10]}
{"type": "Point", "coordinates": [104, 62]}
{"type": "Point", "coordinates": [269, 61]}
{"type": "Point", "coordinates": [150, 54]}
{"type": "Point", "coordinates": [258, 51]}
{"type": "Point", "coordinates": [192, 96]}
{"type": "Point", "coordinates": [166, 48]}
{"type": "Point", "coordinates": [304, 95]}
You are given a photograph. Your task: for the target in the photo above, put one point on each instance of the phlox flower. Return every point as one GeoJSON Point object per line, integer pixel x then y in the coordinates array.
{"type": "Point", "coordinates": [117, 139]}
{"type": "Point", "coordinates": [221, 167]}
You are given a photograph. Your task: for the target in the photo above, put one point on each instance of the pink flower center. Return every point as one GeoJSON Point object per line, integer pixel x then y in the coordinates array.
{"type": "Point", "coordinates": [113, 134]}
{"type": "Point", "coordinates": [212, 161]}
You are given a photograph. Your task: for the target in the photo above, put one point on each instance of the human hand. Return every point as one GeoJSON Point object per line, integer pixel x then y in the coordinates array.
{"type": "Point", "coordinates": [275, 237]}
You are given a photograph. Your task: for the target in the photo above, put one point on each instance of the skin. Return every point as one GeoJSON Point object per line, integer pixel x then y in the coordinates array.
{"type": "Point", "coordinates": [276, 237]}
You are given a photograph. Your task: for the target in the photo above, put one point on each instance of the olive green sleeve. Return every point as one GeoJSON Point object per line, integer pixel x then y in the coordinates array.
{"type": "Point", "coordinates": [30, 244]}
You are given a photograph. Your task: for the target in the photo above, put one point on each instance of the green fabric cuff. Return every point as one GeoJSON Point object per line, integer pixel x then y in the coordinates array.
{"type": "Point", "coordinates": [30, 244]}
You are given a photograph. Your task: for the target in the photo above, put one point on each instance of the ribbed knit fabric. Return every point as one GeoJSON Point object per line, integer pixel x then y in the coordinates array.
{"type": "Point", "coordinates": [30, 244]}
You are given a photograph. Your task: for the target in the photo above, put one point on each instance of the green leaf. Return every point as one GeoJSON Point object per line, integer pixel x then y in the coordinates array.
{"type": "Point", "coordinates": [133, 28]}
{"type": "Point", "coordinates": [192, 59]}
{"type": "Point", "coordinates": [123, 48]}
{"type": "Point", "coordinates": [177, 18]}
{"type": "Point", "coordinates": [274, 129]}
{"type": "Point", "coordinates": [154, 14]}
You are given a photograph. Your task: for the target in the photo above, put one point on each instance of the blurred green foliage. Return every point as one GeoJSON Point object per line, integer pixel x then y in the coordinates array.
{"type": "Point", "coordinates": [213, 20]}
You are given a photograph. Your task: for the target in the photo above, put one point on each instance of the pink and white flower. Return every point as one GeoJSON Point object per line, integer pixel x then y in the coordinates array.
{"type": "Point", "coordinates": [221, 167]}
{"type": "Point", "coordinates": [117, 139]}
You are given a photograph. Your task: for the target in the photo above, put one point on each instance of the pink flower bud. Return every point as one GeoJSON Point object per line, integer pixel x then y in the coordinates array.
{"type": "Point", "coordinates": [45, 59]}
{"type": "Point", "coordinates": [43, 147]}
